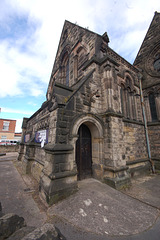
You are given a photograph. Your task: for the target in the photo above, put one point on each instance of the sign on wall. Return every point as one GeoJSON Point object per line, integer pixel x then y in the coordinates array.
{"type": "Point", "coordinates": [41, 137]}
{"type": "Point", "coordinates": [26, 138]}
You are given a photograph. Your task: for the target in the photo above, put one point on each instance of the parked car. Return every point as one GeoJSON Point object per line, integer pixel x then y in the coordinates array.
{"type": "Point", "coordinates": [8, 142]}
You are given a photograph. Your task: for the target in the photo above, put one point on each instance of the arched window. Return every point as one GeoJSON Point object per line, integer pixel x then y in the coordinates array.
{"type": "Point", "coordinates": [128, 81]}
{"type": "Point", "coordinates": [129, 98]}
{"type": "Point", "coordinates": [134, 105]}
{"type": "Point", "coordinates": [153, 107]}
{"type": "Point", "coordinates": [81, 59]}
{"type": "Point", "coordinates": [65, 69]}
{"type": "Point", "coordinates": [122, 99]}
{"type": "Point", "coordinates": [128, 103]}
{"type": "Point", "coordinates": [67, 72]}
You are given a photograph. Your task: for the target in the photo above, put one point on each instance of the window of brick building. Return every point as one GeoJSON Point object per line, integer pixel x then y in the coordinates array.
{"type": "Point", "coordinates": [3, 137]}
{"type": "Point", "coordinates": [6, 126]}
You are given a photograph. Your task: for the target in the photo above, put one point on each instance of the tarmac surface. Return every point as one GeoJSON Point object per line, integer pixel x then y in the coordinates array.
{"type": "Point", "coordinates": [95, 212]}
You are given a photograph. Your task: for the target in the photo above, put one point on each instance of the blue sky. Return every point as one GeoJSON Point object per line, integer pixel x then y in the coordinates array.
{"type": "Point", "coordinates": [29, 34]}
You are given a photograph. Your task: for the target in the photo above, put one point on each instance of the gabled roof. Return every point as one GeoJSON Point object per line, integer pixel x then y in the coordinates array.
{"type": "Point", "coordinates": [152, 37]}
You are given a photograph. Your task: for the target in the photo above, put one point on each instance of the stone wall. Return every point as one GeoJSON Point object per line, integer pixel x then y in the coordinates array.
{"type": "Point", "coordinates": [9, 148]}
{"type": "Point", "coordinates": [113, 142]}
{"type": "Point", "coordinates": [36, 170]}
{"type": "Point", "coordinates": [154, 138]}
{"type": "Point", "coordinates": [135, 148]}
{"type": "Point", "coordinates": [92, 85]}
{"type": "Point", "coordinates": [134, 141]}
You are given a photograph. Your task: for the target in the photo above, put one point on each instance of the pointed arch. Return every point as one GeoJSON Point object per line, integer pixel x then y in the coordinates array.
{"type": "Point", "coordinates": [123, 102]}
{"type": "Point", "coordinates": [152, 104]}
{"type": "Point", "coordinates": [65, 69]}
{"type": "Point", "coordinates": [96, 130]}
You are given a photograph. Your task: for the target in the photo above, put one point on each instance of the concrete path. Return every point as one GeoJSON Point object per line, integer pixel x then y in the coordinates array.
{"type": "Point", "coordinates": [95, 212]}
{"type": "Point", "coordinates": [146, 189]}
{"type": "Point", "coordinates": [15, 194]}
{"type": "Point", "coordinates": [102, 210]}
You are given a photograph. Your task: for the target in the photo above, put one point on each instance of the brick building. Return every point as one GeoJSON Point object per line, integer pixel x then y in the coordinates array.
{"type": "Point", "coordinates": [95, 118]}
{"type": "Point", "coordinates": [7, 129]}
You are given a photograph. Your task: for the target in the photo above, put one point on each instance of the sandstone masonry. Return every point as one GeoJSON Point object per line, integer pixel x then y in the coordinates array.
{"type": "Point", "coordinates": [92, 123]}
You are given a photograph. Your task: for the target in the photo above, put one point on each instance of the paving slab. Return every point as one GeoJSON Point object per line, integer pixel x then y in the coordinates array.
{"type": "Point", "coordinates": [95, 212]}
{"type": "Point", "coordinates": [8, 156]}
{"type": "Point", "coordinates": [100, 209]}
{"type": "Point", "coordinates": [146, 189]}
{"type": "Point", "coordinates": [15, 197]}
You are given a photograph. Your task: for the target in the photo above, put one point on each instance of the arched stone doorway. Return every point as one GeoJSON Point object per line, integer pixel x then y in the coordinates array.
{"type": "Point", "coordinates": [94, 125]}
{"type": "Point", "coordinates": [84, 153]}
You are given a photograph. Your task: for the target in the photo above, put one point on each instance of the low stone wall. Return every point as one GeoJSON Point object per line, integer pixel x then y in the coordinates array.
{"type": "Point", "coordinates": [9, 148]}
{"type": "Point", "coordinates": [154, 138]}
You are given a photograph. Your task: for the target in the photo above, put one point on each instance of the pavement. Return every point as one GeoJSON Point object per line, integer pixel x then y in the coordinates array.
{"type": "Point", "coordinates": [95, 212]}
{"type": "Point", "coordinates": [16, 193]}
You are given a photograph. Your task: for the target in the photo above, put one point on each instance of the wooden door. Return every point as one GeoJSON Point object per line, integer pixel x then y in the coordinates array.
{"type": "Point", "coordinates": [84, 153]}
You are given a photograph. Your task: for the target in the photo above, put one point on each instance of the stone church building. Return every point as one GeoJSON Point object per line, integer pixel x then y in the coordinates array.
{"type": "Point", "coordinates": [101, 117]}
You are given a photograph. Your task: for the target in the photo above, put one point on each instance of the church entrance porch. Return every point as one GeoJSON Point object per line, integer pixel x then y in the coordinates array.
{"type": "Point", "coordinates": [84, 153]}
{"type": "Point", "coordinates": [87, 141]}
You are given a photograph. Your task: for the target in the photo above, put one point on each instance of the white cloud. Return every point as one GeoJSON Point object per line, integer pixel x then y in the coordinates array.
{"type": "Point", "coordinates": [27, 59]}
{"type": "Point", "coordinates": [17, 111]}
{"type": "Point", "coordinates": [18, 125]}
{"type": "Point", "coordinates": [32, 103]}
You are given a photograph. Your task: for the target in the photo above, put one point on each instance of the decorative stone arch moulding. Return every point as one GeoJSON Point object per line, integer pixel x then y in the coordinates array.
{"type": "Point", "coordinates": [80, 46]}
{"type": "Point", "coordinates": [93, 123]}
{"type": "Point", "coordinates": [151, 58]}
{"type": "Point", "coordinates": [128, 75]}
{"type": "Point", "coordinates": [131, 76]}
{"type": "Point", "coordinates": [125, 86]}
{"type": "Point", "coordinates": [95, 126]}
{"type": "Point", "coordinates": [66, 50]}
{"type": "Point", "coordinates": [155, 90]}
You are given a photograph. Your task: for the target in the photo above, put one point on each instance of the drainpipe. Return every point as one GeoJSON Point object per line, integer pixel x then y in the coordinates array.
{"type": "Point", "coordinates": [145, 124]}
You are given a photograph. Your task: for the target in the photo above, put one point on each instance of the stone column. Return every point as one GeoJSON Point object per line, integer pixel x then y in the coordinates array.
{"type": "Point", "coordinates": [59, 176]}
{"type": "Point", "coordinates": [115, 170]}
{"type": "Point", "coordinates": [29, 157]}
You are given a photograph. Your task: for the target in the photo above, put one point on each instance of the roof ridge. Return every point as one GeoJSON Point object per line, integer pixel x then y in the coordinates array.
{"type": "Point", "coordinates": [84, 28]}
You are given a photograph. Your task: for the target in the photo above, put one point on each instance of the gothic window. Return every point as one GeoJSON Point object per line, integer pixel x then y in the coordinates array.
{"type": "Point", "coordinates": [65, 70]}
{"type": "Point", "coordinates": [128, 81]}
{"type": "Point", "coordinates": [122, 100]}
{"type": "Point", "coordinates": [75, 67]}
{"type": "Point", "coordinates": [130, 111]}
{"type": "Point", "coordinates": [81, 59]}
{"type": "Point", "coordinates": [65, 35]}
{"type": "Point", "coordinates": [152, 107]}
{"type": "Point", "coordinates": [128, 103]}
{"type": "Point", "coordinates": [134, 105]}
{"type": "Point", "coordinates": [157, 63]}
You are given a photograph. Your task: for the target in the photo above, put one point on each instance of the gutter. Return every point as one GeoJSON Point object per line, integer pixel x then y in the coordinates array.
{"type": "Point", "coordinates": [145, 125]}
